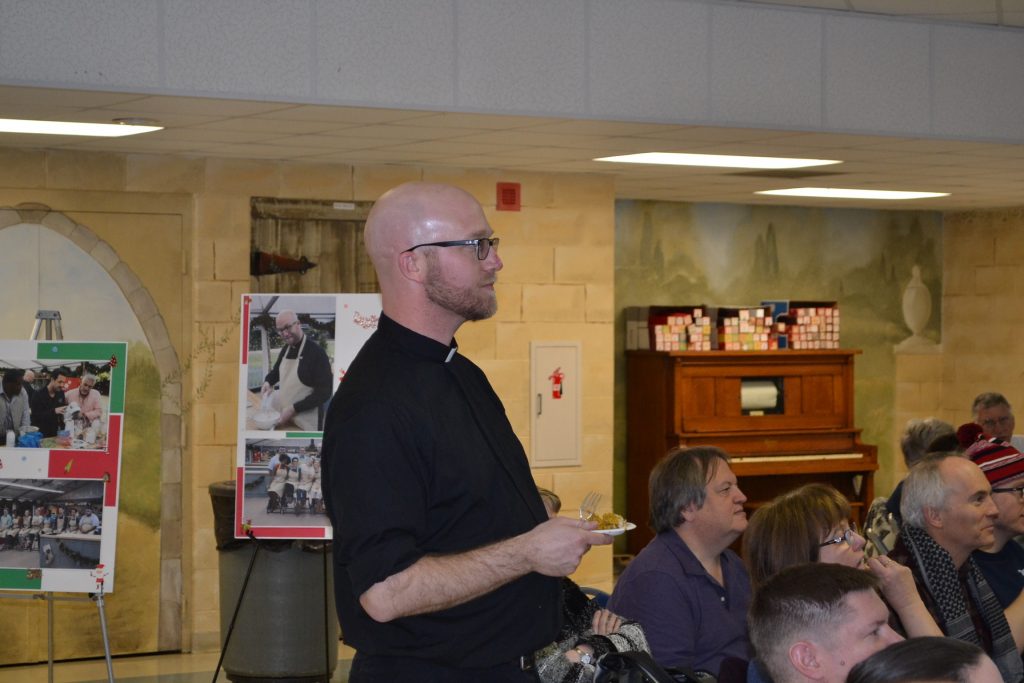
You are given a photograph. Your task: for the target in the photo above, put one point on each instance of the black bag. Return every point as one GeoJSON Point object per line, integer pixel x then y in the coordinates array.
{"type": "Point", "coordinates": [638, 667]}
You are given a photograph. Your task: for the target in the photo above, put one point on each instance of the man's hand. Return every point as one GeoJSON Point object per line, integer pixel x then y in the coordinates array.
{"type": "Point", "coordinates": [606, 623]}
{"type": "Point", "coordinates": [286, 415]}
{"type": "Point", "coordinates": [266, 389]}
{"type": "Point", "coordinates": [557, 546]}
{"type": "Point", "coordinates": [897, 581]}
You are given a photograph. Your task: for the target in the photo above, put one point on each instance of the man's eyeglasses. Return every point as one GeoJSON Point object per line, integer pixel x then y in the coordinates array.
{"type": "Point", "coordinates": [288, 326]}
{"type": "Point", "coordinates": [996, 421]}
{"type": "Point", "coordinates": [483, 245]}
{"type": "Point", "coordinates": [1019, 490]}
{"type": "Point", "coordinates": [845, 537]}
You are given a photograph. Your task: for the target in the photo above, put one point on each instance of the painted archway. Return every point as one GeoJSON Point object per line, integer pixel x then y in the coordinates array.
{"type": "Point", "coordinates": [155, 338]}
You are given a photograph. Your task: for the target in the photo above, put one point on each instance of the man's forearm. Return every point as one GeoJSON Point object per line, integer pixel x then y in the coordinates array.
{"type": "Point", "coordinates": [437, 582]}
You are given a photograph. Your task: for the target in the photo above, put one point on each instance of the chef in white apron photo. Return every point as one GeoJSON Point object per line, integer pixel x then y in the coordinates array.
{"type": "Point", "coordinates": [301, 380]}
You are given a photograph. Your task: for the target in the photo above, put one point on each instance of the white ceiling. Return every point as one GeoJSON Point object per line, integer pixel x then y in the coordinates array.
{"type": "Point", "coordinates": [978, 174]}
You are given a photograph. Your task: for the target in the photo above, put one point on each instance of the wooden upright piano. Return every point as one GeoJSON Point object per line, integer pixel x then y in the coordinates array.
{"type": "Point", "coordinates": [785, 417]}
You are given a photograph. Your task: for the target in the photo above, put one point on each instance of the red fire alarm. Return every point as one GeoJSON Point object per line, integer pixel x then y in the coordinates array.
{"type": "Point", "coordinates": [509, 197]}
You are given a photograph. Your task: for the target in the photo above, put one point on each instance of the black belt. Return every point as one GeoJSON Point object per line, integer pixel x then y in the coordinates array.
{"type": "Point", "coordinates": [527, 662]}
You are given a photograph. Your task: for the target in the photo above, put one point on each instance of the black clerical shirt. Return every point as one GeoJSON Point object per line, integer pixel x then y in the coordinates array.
{"type": "Point", "coordinates": [419, 458]}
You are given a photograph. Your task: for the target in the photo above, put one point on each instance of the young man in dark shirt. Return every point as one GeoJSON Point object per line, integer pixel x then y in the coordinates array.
{"type": "Point", "coordinates": [446, 565]}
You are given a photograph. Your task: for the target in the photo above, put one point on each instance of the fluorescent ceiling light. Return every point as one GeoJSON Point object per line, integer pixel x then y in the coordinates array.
{"type": "Point", "coordinates": [849, 193]}
{"type": "Point", "coordinates": [100, 130]}
{"type": "Point", "coordinates": [717, 160]}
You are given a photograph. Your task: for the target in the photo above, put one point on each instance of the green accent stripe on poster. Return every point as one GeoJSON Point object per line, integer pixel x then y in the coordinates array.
{"type": "Point", "coordinates": [19, 579]}
{"type": "Point", "coordinates": [304, 435]}
{"type": "Point", "coordinates": [117, 379]}
{"type": "Point", "coordinates": [61, 350]}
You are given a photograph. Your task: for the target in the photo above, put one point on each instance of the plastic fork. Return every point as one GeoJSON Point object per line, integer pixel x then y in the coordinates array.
{"type": "Point", "coordinates": [588, 508]}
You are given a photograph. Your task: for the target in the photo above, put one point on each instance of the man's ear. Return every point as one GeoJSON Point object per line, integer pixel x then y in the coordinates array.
{"type": "Point", "coordinates": [688, 512]}
{"type": "Point", "coordinates": [411, 266]}
{"type": "Point", "coordinates": [803, 655]}
{"type": "Point", "coordinates": [933, 517]}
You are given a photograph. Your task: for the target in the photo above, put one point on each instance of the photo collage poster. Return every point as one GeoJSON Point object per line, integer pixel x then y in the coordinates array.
{"type": "Point", "coordinates": [59, 480]}
{"type": "Point", "coordinates": [295, 348]}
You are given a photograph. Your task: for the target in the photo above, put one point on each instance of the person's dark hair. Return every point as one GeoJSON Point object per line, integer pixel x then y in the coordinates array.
{"type": "Point", "coordinates": [678, 481]}
{"type": "Point", "coordinates": [789, 530]}
{"type": "Point", "coordinates": [551, 499]}
{"type": "Point", "coordinates": [930, 658]}
{"type": "Point", "coordinates": [800, 602]}
{"type": "Point", "coordinates": [12, 375]}
{"type": "Point", "coordinates": [284, 459]}
{"type": "Point", "coordinates": [944, 443]}
{"type": "Point", "coordinates": [919, 435]}
{"type": "Point", "coordinates": [924, 488]}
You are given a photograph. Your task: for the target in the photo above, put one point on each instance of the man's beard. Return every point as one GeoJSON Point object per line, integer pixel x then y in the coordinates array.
{"type": "Point", "coordinates": [468, 303]}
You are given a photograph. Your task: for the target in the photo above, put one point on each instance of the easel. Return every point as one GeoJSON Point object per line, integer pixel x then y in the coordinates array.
{"type": "Point", "coordinates": [54, 332]}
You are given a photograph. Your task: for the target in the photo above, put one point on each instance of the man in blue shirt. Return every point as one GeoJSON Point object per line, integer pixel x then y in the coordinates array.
{"type": "Point", "coordinates": [1002, 563]}
{"type": "Point", "coordinates": [686, 588]}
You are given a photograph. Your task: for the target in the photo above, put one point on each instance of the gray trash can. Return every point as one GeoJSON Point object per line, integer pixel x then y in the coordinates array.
{"type": "Point", "coordinates": [279, 634]}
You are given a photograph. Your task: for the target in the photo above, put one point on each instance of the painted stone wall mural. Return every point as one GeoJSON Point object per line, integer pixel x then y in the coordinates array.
{"type": "Point", "coordinates": [51, 272]}
{"type": "Point", "coordinates": [669, 253]}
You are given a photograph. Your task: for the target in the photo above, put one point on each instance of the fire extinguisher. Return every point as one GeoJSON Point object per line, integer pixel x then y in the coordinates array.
{"type": "Point", "coordinates": [556, 378]}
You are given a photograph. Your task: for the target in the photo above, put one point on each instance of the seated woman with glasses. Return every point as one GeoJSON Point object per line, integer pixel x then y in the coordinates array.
{"type": "Point", "coordinates": [812, 524]}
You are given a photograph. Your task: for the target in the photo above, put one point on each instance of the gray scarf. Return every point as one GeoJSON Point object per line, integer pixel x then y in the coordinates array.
{"type": "Point", "coordinates": [941, 578]}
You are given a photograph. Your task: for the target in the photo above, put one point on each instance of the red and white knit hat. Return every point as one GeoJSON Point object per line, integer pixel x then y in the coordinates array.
{"type": "Point", "coordinates": [1001, 462]}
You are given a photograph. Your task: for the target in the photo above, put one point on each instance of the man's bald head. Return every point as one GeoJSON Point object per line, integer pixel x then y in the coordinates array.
{"type": "Point", "coordinates": [432, 289]}
{"type": "Point", "coordinates": [415, 213]}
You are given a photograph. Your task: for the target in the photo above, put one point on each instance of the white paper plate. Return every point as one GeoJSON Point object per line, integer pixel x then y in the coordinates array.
{"type": "Point", "coordinates": [615, 532]}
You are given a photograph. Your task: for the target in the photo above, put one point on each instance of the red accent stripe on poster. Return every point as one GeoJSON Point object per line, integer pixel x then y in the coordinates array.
{"type": "Point", "coordinates": [239, 499]}
{"type": "Point", "coordinates": [114, 452]}
{"type": "Point", "coordinates": [289, 532]}
{"type": "Point", "coordinates": [246, 301]}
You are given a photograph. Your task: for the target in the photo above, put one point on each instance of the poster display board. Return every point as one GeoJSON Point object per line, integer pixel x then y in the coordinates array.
{"type": "Point", "coordinates": [59, 484]}
{"type": "Point", "coordinates": [295, 349]}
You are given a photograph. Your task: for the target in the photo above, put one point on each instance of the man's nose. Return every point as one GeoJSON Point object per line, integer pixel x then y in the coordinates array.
{"type": "Point", "coordinates": [740, 497]}
{"type": "Point", "coordinates": [493, 262]}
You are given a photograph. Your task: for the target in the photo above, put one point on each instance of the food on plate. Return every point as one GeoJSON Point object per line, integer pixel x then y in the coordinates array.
{"type": "Point", "coordinates": [610, 520]}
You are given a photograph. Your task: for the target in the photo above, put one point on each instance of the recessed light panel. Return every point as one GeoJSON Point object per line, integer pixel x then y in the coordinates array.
{"type": "Point", "coordinates": [716, 160]}
{"type": "Point", "coordinates": [851, 193]}
{"type": "Point", "coordinates": [100, 130]}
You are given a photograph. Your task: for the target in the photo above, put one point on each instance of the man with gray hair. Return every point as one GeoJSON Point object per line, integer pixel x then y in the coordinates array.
{"type": "Point", "coordinates": [948, 513]}
{"type": "Point", "coordinates": [686, 588]}
{"type": "Point", "coordinates": [86, 398]}
{"type": "Point", "coordinates": [994, 414]}
{"type": "Point", "coordinates": [915, 442]}
{"type": "Point", "coordinates": [814, 622]}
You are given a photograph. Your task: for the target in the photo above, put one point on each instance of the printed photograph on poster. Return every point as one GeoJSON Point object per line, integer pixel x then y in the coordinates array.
{"type": "Point", "coordinates": [289, 368]}
{"type": "Point", "coordinates": [50, 523]}
{"type": "Point", "coordinates": [285, 338]}
{"type": "Point", "coordinates": [282, 483]}
{"type": "Point", "coordinates": [55, 404]}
